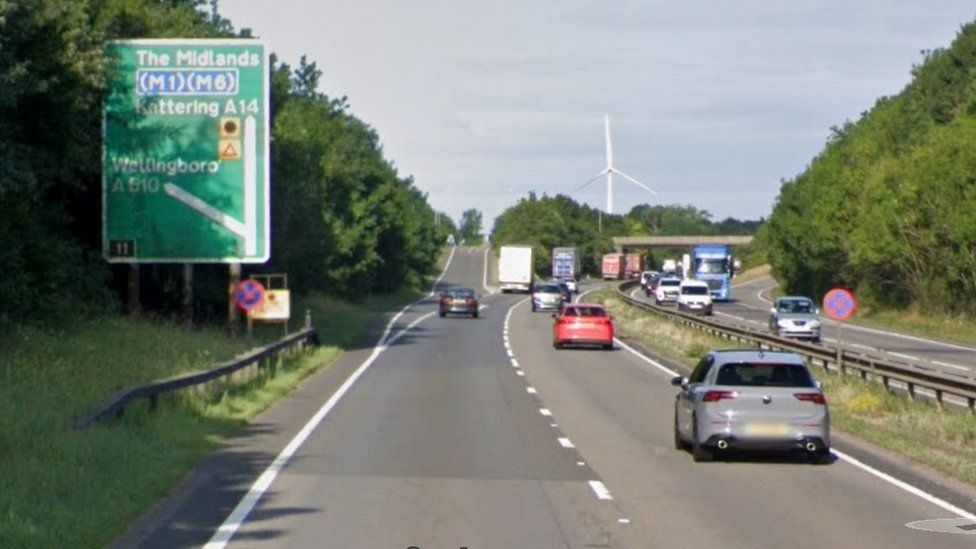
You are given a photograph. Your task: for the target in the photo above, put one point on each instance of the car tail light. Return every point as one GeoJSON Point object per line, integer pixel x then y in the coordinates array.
{"type": "Point", "coordinates": [715, 396]}
{"type": "Point", "coordinates": [445, 301]}
{"type": "Point", "coordinates": [816, 398]}
{"type": "Point", "coordinates": [471, 302]}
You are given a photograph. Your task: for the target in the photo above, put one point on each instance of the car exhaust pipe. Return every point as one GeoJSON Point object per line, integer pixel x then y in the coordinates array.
{"type": "Point", "coordinates": [811, 447]}
{"type": "Point", "coordinates": [722, 444]}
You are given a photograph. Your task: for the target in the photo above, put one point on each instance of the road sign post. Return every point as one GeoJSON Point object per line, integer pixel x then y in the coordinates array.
{"type": "Point", "coordinates": [839, 304]}
{"type": "Point", "coordinates": [185, 164]}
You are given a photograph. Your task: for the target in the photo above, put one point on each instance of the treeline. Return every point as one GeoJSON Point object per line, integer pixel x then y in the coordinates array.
{"type": "Point", "coordinates": [887, 207]}
{"type": "Point", "coordinates": [343, 220]}
{"type": "Point", "coordinates": [547, 222]}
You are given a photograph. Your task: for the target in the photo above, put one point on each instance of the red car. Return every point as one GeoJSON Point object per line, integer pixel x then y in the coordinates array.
{"type": "Point", "coordinates": [582, 324]}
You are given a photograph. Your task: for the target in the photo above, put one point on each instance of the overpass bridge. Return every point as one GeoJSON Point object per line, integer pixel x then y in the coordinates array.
{"type": "Point", "coordinates": [620, 243]}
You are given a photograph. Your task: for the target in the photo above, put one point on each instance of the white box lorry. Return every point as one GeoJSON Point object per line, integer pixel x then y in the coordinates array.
{"type": "Point", "coordinates": [515, 269]}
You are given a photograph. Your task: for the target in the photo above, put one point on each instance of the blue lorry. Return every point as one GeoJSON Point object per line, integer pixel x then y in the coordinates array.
{"type": "Point", "coordinates": [713, 264]}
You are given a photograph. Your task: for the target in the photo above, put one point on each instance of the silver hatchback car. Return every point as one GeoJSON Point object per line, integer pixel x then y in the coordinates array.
{"type": "Point", "coordinates": [794, 316]}
{"type": "Point", "coordinates": [751, 400]}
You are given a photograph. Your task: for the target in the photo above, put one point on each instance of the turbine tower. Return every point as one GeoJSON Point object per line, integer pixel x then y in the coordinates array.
{"type": "Point", "coordinates": [610, 170]}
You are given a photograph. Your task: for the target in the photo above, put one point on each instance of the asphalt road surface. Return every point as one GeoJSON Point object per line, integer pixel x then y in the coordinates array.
{"type": "Point", "coordinates": [477, 433]}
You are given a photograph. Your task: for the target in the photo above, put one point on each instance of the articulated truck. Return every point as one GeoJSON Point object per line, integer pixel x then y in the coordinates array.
{"type": "Point", "coordinates": [714, 265]}
{"type": "Point", "coordinates": [515, 269]}
{"type": "Point", "coordinates": [612, 266]}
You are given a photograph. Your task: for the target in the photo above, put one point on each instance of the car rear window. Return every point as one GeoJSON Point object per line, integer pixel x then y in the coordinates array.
{"type": "Point", "coordinates": [750, 374]}
{"type": "Point", "coordinates": [461, 293]}
{"type": "Point", "coordinates": [547, 288]}
{"type": "Point", "coordinates": [670, 282]}
{"type": "Point", "coordinates": [584, 311]}
{"type": "Point", "coordinates": [694, 290]}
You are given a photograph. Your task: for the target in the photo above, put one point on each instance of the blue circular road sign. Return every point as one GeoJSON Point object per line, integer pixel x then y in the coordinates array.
{"type": "Point", "coordinates": [839, 304]}
{"type": "Point", "coordinates": [250, 294]}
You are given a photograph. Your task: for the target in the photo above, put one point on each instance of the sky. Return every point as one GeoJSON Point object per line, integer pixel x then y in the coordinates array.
{"type": "Point", "coordinates": [712, 103]}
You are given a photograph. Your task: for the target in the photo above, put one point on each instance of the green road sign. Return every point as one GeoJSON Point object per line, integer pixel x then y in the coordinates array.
{"type": "Point", "coordinates": [186, 167]}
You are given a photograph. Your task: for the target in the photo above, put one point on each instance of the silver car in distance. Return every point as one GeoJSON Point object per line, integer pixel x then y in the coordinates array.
{"type": "Point", "coordinates": [794, 316]}
{"type": "Point", "coordinates": [751, 400]}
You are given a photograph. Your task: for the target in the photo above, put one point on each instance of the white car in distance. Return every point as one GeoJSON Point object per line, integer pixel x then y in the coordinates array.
{"type": "Point", "coordinates": [694, 296]}
{"type": "Point", "coordinates": [667, 290]}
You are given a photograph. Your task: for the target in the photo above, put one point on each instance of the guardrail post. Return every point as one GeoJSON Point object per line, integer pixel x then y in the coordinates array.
{"type": "Point", "coordinates": [886, 381]}
{"type": "Point", "coordinates": [153, 401]}
{"type": "Point", "coordinates": [911, 390]}
{"type": "Point", "coordinates": [938, 398]}
{"type": "Point", "coordinates": [971, 402]}
{"type": "Point", "coordinates": [308, 319]}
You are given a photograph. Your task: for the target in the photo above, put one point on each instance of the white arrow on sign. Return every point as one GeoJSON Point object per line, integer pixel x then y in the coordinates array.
{"type": "Point", "coordinates": [248, 229]}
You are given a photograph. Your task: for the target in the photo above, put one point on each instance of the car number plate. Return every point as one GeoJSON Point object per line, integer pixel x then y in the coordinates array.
{"type": "Point", "coordinates": [767, 429]}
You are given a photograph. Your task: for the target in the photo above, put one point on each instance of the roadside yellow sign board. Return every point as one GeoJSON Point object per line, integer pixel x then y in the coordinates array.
{"type": "Point", "coordinates": [275, 307]}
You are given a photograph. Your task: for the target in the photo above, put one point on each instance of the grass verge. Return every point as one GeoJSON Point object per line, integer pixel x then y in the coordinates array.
{"type": "Point", "coordinates": [64, 487]}
{"type": "Point", "coordinates": [941, 439]}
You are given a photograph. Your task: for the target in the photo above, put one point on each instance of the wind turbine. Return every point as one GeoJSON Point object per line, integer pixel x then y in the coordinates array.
{"type": "Point", "coordinates": [610, 170]}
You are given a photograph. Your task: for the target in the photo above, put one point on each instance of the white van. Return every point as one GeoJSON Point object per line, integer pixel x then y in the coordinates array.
{"type": "Point", "coordinates": [694, 297]}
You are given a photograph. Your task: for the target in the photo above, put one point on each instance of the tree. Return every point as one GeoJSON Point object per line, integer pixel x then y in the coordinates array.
{"type": "Point", "coordinates": [470, 229]}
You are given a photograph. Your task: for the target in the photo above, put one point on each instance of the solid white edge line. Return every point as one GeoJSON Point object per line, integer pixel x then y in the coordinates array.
{"type": "Point", "coordinates": [902, 355]}
{"type": "Point", "coordinates": [565, 442]}
{"type": "Point", "coordinates": [845, 457]}
{"type": "Point", "coordinates": [484, 280]}
{"type": "Point", "coordinates": [950, 365]}
{"type": "Point", "coordinates": [905, 486]}
{"type": "Point", "coordinates": [244, 507]}
{"type": "Point", "coordinates": [648, 360]}
{"type": "Point", "coordinates": [433, 288]}
{"type": "Point", "coordinates": [600, 490]}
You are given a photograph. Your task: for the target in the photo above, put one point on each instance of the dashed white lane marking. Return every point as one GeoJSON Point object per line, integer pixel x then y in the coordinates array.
{"type": "Point", "coordinates": [519, 373]}
{"type": "Point", "coordinates": [510, 353]}
{"type": "Point", "coordinates": [553, 425]}
{"type": "Point", "coordinates": [950, 365]}
{"type": "Point", "coordinates": [580, 463]}
{"type": "Point", "coordinates": [545, 412]}
{"type": "Point", "coordinates": [623, 520]}
{"type": "Point", "coordinates": [902, 355]}
{"type": "Point", "coordinates": [531, 390]}
{"type": "Point", "coordinates": [600, 490]}
{"type": "Point", "coordinates": [515, 363]}
{"type": "Point", "coordinates": [565, 442]}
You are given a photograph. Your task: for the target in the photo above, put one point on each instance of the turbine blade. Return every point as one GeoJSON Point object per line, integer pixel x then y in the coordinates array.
{"type": "Point", "coordinates": [590, 180]}
{"type": "Point", "coordinates": [632, 180]}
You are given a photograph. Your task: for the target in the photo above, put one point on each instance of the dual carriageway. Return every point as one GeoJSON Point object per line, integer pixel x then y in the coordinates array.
{"type": "Point", "coordinates": [445, 433]}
